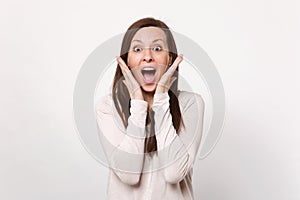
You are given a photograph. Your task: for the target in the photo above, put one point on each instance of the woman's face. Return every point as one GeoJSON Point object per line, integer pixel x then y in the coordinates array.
{"type": "Point", "coordinates": [148, 57]}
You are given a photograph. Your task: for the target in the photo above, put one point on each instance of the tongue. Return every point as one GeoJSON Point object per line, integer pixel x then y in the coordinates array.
{"type": "Point", "coordinates": [149, 77]}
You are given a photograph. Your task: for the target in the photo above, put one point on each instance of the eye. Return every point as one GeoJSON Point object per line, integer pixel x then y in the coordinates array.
{"type": "Point", "coordinates": [157, 48]}
{"type": "Point", "coordinates": [137, 49]}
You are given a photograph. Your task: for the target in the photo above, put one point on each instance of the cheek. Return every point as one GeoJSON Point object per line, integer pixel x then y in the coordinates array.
{"type": "Point", "coordinates": [135, 73]}
{"type": "Point", "coordinates": [164, 59]}
{"type": "Point", "coordinates": [161, 71]}
{"type": "Point", "coordinates": [133, 60]}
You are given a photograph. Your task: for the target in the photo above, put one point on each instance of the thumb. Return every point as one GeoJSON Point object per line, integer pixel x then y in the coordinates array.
{"type": "Point", "coordinates": [172, 80]}
{"type": "Point", "coordinates": [124, 81]}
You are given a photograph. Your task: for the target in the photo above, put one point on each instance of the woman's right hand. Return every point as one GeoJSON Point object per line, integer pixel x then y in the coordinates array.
{"type": "Point", "coordinates": [132, 85]}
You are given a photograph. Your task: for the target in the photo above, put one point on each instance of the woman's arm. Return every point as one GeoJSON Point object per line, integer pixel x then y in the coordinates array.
{"type": "Point", "coordinates": [124, 147]}
{"type": "Point", "coordinates": [177, 152]}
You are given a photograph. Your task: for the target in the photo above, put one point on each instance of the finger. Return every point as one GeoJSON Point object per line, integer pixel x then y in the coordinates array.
{"type": "Point", "coordinates": [122, 65]}
{"type": "Point", "coordinates": [172, 80]}
{"type": "Point", "coordinates": [125, 83]}
{"type": "Point", "coordinates": [124, 68]}
{"type": "Point", "coordinates": [174, 66]}
{"type": "Point", "coordinates": [177, 61]}
{"type": "Point", "coordinates": [168, 83]}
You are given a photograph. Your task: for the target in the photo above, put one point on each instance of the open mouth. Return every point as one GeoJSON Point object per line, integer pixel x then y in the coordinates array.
{"type": "Point", "coordinates": [148, 74]}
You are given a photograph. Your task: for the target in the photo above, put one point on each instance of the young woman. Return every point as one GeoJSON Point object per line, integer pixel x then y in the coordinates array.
{"type": "Point", "coordinates": [150, 131]}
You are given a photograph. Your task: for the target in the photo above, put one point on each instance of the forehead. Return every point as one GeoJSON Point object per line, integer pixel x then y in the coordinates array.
{"type": "Point", "coordinates": [149, 34]}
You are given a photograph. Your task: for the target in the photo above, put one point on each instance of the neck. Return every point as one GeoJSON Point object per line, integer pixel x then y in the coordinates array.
{"type": "Point", "coordinates": [148, 96]}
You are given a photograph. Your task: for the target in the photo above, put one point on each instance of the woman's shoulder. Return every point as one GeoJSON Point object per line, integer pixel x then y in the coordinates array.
{"type": "Point", "coordinates": [186, 96]}
{"type": "Point", "coordinates": [186, 99]}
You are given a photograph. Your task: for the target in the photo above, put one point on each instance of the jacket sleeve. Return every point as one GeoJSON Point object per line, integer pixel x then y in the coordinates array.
{"type": "Point", "coordinates": [124, 147]}
{"type": "Point", "coordinates": [177, 152]}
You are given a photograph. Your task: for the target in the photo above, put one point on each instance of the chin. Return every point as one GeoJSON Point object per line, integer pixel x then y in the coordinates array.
{"type": "Point", "coordinates": [149, 88]}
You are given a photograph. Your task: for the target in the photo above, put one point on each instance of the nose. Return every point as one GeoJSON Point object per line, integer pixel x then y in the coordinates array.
{"type": "Point", "coordinates": [147, 55]}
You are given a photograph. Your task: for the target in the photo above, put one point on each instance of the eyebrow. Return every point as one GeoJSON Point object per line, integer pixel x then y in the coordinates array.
{"type": "Point", "coordinates": [156, 40]}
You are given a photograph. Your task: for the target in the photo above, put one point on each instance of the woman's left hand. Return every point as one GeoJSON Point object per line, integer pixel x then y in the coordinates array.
{"type": "Point", "coordinates": [167, 79]}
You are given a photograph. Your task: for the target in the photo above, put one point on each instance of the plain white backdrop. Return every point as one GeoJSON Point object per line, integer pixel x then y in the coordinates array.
{"type": "Point", "coordinates": [255, 46]}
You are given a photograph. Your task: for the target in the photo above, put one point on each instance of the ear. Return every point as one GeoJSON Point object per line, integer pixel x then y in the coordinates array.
{"type": "Point", "coordinates": [170, 60]}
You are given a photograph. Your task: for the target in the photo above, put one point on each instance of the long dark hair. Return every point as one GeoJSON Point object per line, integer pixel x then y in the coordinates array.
{"type": "Point", "coordinates": [120, 92]}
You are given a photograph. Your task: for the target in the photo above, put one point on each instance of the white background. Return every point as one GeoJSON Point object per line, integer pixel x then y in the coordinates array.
{"type": "Point", "coordinates": [255, 46]}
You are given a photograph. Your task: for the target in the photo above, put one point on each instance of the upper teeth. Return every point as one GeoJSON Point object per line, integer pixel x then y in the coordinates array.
{"type": "Point", "coordinates": [148, 69]}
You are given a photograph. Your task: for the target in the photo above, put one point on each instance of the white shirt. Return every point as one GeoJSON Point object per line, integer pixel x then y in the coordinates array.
{"type": "Point", "coordinates": [167, 174]}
